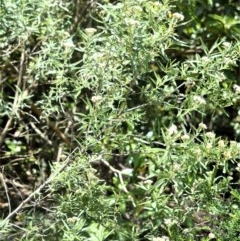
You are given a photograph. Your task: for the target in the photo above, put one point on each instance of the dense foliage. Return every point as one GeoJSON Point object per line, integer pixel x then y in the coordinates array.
{"type": "Point", "coordinates": [119, 120]}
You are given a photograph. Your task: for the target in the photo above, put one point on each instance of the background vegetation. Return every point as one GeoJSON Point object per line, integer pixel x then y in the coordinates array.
{"type": "Point", "coordinates": [119, 120]}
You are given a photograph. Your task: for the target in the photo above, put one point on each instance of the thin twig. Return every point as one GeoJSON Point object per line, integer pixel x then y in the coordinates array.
{"type": "Point", "coordinates": [137, 107]}
{"type": "Point", "coordinates": [40, 133]}
{"type": "Point", "coordinates": [59, 154]}
{"type": "Point", "coordinates": [5, 130]}
{"type": "Point", "coordinates": [6, 191]}
{"type": "Point", "coordinates": [115, 171]}
{"type": "Point", "coordinates": [120, 178]}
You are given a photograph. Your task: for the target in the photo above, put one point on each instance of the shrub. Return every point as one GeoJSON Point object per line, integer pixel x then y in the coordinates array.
{"type": "Point", "coordinates": [110, 129]}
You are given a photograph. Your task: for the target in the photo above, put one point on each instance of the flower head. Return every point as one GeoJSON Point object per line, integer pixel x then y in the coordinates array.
{"type": "Point", "coordinates": [69, 44]}
{"type": "Point", "coordinates": [221, 143]}
{"type": "Point", "coordinates": [172, 130]}
{"type": "Point", "coordinates": [205, 59]}
{"type": "Point", "coordinates": [210, 135]}
{"type": "Point", "coordinates": [163, 238]}
{"type": "Point", "coordinates": [90, 31]}
{"type": "Point", "coordinates": [132, 22]}
{"type": "Point", "coordinates": [202, 126]}
{"type": "Point", "coordinates": [226, 44]}
{"type": "Point", "coordinates": [185, 137]}
{"type": "Point", "coordinates": [178, 16]}
{"type": "Point", "coordinates": [233, 143]}
{"type": "Point", "coordinates": [96, 98]}
{"type": "Point", "coordinates": [211, 236]}
{"type": "Point", "coordinates": [236, 89]}
{"type": "Point", "coordinates": [200, 100]}
{"type": "Point", "coordinates": [227, 154]}
{"type": "Point", "coordinates": [209, 146]}
{"type": "Point", "coordinates": [198, 152]}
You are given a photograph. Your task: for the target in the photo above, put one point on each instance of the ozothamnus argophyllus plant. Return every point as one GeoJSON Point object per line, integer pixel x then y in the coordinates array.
{"type": "Point", "coordinates": [123, 130]}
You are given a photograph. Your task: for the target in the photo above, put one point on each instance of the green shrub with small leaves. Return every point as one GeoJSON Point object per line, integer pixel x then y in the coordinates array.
{"type": "Point", "coordinates": [119, 120]}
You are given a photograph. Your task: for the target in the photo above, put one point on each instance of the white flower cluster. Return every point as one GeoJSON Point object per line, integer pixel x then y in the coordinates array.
{"type": "Point", "coordinates": [178, 16]}
{"type": "Point", "coordinates": [236, 89]}
{"type": "Point", "coordinates": [202, 126]}
{"type": "Point", "coordinates": [96, 98]}
{"type": "Point", "coordinates": [163, 238]}
{"type": "Point", "coordinates": [172, 130]}
{"type": "Point", "coordinates": [200, 100]}
{"type": "Point", "coordinates": [90, 31]}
